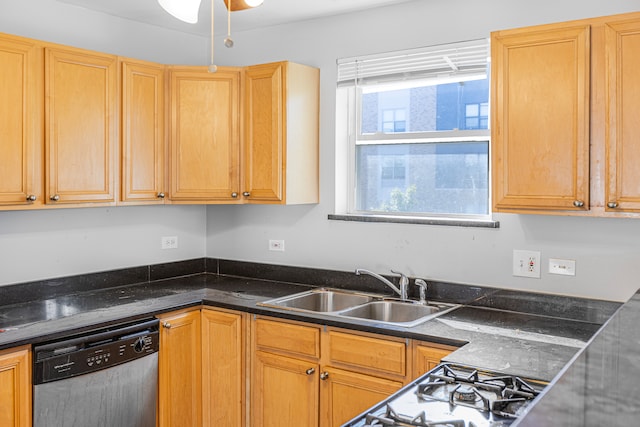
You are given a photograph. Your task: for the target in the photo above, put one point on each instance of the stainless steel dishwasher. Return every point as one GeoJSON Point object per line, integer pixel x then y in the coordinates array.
{"type": "Point", "coordinates": [103, 378]}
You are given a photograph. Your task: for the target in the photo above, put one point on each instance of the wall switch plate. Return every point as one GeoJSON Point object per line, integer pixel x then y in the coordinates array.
{"type": "Point", "coordinates": [526, 263]}
{"type": "Point", "coordinates": [169, 242]}
{"type": "Point", "coordinates": [565, 267]}
{"type": "Point", "coordinates": [276, 245]}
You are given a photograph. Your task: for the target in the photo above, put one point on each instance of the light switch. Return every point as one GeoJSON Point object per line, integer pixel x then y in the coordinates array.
{"type": "Point", "coordinates": [565, 267]}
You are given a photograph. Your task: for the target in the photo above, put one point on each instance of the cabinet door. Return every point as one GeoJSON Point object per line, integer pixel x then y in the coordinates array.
{"type": "Point", "coordinates": [81, 125]}
{"type": "Point", "coordinates": [222, 368]}
{"type": "Point", "coordinates": [540, 118]}
{"type": "Point", "coordinates": [285, 392]}
{"type": "Point", "coordinates": [204, 135]}
{"type": "Point", "coordinates": [346, 394]}
{"type": "Point", "coordinates": [623, 121]}
{"type": "Point", "coordinates": [15, 387]}
{"type": "Point", "coordinates": [264, 132]}
{"type": "Point", "coordinates": [180, 374]}
{"type": "Point", "coordinates": [426, 357]}
{"type": "Point", "coordinates": [381, 356]}
{"type": "Point", "coordinates": [143, 145]}
{"type": "Point", "coordinates": [21, 108]}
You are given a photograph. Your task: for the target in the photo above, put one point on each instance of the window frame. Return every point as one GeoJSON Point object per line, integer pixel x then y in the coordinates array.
{"type": "Point", "coordinates": [346, 198]}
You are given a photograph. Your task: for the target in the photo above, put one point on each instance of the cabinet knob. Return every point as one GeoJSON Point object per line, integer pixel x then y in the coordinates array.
{"type": "Point", "coordinates": [166, 325]}
{"type": "Point", "coordinates": [612, 205]}
{"type": "Point", "coordinates": [324, 375]}
{"type": "Point", "coordinates": [54, 198]}
{"type": "Point", "coordinates": [310, 371]}
{"type": "Point", "coordinates": [31, 198]}
{"type": "Point", "coordinates": [161, 195]}
{"type": "Point", "coordinates": [234, 194]}
{"type": "Point", "coordinates": [578, 203]}
{"type": "Point", "coordinates": [246, 194]}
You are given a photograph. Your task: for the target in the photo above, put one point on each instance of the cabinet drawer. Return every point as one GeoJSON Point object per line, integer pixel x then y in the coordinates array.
{"type": "Point", "coordinates": [288, 338]}
{"type": "Point", "coordinates": [382, 355]}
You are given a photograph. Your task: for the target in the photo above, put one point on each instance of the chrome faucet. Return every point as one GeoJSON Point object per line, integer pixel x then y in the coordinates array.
{"type": "Point", "coordinates": [422, 284]}
{"type": "Point", "coordinates": [404, 281]}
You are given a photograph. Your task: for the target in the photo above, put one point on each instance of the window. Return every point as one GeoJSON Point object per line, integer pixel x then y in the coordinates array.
{"type": "Point", "coordinates": [416, 129]}
{"type": "Point", "coordinates": [394, 121]}
{"type": "Point", "coordinates": [477, 116]}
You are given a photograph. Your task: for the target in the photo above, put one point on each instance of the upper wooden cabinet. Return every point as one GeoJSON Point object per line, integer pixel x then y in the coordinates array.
{"type": "Point", "coordinates": [540, 118]}
{"type": "Point", "coordinates": [142, 132]}
{"type": "Point", "coordinates": [21, 108]}
{"type": "Point", "coordinates": [82, 128]}
{"type": "Point", "coordinates": [281, 134]}
{"type": "Point", "coordinates": [81, 104]}
{"type": "Point", "coordinates": [622, 47]}
{"type": "Point", "coordinates": [204, 134]}
{"type": "Point", "coordinates": [565, 108]}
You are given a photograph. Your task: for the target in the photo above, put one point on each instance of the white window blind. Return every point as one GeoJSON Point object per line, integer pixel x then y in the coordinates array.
{"type": "Point", "coordinates": [461, 60]}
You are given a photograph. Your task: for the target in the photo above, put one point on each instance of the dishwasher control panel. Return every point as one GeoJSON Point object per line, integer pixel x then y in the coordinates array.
{"type": "Point", "coordinates": [94, 351]}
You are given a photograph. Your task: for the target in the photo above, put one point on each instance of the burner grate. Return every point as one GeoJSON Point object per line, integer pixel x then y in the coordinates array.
{"type": "Point", "coordinates": [392, 418]}
{"type": "Point", "coordinates": [455, 396]}
{"type": "Point", "coordinates": [501, 395]}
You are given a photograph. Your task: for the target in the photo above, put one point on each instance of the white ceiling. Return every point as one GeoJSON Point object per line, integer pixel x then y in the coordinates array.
{"type": "Point", "coordinates": [272, 12]}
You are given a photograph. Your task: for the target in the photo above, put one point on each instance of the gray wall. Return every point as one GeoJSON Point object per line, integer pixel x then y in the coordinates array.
{"type": "Point", "coordinates": [40, 244]}
{"type": "Point", "coordinates": [606, 251]}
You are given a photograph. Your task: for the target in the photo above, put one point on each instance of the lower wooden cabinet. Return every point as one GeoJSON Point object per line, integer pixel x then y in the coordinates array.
{"type": "Point", "coordinates": [308, 375]}
{"type": "Point", "coordinates": [223, 366]}
{"type": "Point", "coordinates": [15, 387]}
{"type": "Point", "coordinates": [180, 370]}
{"type": "Point", "coordinates": [427, 356]}
{"type": "Point", "coordinates": [287, 374]}
{"type": "Point", "coordinates": [201, 369]}
{"type": "Point", "coordinates": [345, 394]}
{"type": "Point", "coordinates": [285, 391]}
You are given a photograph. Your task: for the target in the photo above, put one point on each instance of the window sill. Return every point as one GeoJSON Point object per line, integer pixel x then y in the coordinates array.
{"type": "Point", "coordinates": [416, 220]}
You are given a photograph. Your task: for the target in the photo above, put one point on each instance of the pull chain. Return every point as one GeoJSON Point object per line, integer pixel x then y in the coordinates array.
{"type": "Point", "coordinates": [212, 67]}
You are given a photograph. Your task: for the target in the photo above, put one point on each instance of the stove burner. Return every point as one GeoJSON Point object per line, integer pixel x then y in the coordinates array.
{"type": "Point", "coordinates": [465, 394]}
{"type": "Point", "coordinates": [392, 418]}
{"type": "Point", "coordinates": [455, 396]}
{"type": "Point", "coordinates": [501, 395]}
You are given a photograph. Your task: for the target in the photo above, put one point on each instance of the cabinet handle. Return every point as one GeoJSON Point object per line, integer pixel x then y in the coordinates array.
{"type": "Point", "coordinates": [612, 205]}
{"type": "Point", "coordinates": [161, 195]}
{"type": "Point", "coordinates": [578, 203]}
{"type": "Point", "coordinates": [31, 198]}
{"type": "Point", "coordinates": [310, 371]}
{"type": "Point", "coordinates": [324, 375]}
{"type": "Point", "coordinates": [54, 198]}
{"type": "Point", "coordinates": [234, 194]}
{"type": "Point", "coordinates": [166, 325]}
{"type": "Point", "coordinates": [246, 194]}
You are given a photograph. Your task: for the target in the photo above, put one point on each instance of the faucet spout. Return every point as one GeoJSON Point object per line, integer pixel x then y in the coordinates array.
{"type": "Point", "coordinates": [404, 281]}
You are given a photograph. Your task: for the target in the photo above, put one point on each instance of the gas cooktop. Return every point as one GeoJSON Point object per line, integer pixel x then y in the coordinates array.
{"type": "Point", "coordinates": [454, 396]}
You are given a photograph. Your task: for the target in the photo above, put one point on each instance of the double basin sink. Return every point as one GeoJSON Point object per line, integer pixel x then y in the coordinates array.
{"type": "Point", "coordinates": [362, 306]}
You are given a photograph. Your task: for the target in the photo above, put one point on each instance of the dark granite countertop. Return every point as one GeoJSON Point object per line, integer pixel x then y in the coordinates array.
{"type": "Point", "coordinates": [518, 343]}
{"type": "Point", "coordinates": [600, 386]}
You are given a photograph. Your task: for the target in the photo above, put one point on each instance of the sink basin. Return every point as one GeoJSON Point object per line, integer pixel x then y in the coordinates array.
{"type": "Point", "coordinates": [319, 300]}
{"type": "Point", "coordinates": [397, 312]}
{"type": "Point", "coordinates": [362, 306]}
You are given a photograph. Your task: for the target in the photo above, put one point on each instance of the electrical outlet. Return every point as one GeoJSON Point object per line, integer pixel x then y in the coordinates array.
{"type": "Point", "coordinates": [526, 263]}
{"type": "Point", "coordinates": [276, 245]}
{"type": "Point", "coordinates": [565, 267]}
{"type": "Point", "coordinates": [169, 242]}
